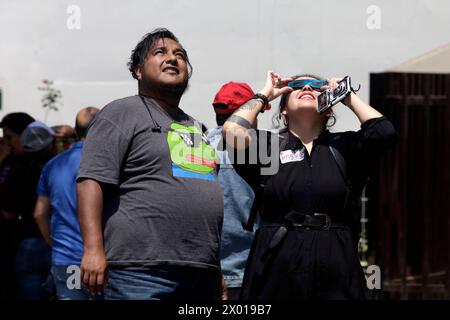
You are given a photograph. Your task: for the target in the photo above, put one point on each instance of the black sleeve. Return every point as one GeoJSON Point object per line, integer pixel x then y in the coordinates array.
{"type": "Point", "coordinates": [367, 146]}
{"type": "Point", "coordinates": [20, 188]}
{"type": "Point", "coordinates": [375, 136]}
{"type": "Point", "coordinates": [19, 198]}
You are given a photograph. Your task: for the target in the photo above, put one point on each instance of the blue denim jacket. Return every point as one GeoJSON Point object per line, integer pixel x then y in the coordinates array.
{"type": "Point", "coordinates": [238, 200]}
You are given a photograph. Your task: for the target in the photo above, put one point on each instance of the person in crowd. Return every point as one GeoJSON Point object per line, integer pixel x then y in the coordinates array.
{"type": "Point", "coordinates": [6, 248]}
{"type": "Point", "coordinates": [238, 196]}
{"type": "Point", "coordinates": [30, 142]}
{"type": "Point", "coordinates": [305, 247]}
{"type": "Point", "coordinates": [64, 137]}
{"type": "Point", "coordinates": [149, 203]}
{"type": "Point", "coordinates": [56, 212]}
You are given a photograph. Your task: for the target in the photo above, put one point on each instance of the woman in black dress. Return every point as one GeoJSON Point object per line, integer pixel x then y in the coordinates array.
{"type": "Point", "coordinates": [305, 247]}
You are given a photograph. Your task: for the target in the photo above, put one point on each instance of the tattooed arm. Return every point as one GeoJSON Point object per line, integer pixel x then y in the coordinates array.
{"type": "Point", "coordinates": [236, 128]}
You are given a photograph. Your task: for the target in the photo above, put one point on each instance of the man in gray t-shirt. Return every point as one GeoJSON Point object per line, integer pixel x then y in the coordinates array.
{"type": "Point", "coordinates": [150, 205]}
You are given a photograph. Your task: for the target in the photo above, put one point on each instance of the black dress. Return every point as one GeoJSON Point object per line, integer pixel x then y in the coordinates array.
{"type": "Point", "coordinates": [310, 263]}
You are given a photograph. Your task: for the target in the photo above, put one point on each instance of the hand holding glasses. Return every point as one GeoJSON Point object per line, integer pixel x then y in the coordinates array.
{"type": "Point", "coordinates": [328, 97]}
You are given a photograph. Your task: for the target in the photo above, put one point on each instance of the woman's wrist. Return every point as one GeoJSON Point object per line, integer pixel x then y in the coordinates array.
{"type": "Point", "coordinates": [349, 101]}
{"type": "Point", "coordinates": [265, 92]}
{"type": "Point", "coordinates": [263, 98]}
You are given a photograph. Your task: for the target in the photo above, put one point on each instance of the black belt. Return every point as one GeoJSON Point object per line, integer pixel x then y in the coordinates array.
{"type": "Point", "coordinates": [319, 221]}
{"type": "Point", "coordinates": [316, 221]}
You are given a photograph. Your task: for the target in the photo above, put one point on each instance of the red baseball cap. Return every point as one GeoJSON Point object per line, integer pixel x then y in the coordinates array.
{"type": "Point", "coordinates": [231, 96]}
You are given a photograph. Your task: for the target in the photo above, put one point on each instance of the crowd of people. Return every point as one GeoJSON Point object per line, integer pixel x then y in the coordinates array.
{"type": "Point", "coordinates": [150, 204]}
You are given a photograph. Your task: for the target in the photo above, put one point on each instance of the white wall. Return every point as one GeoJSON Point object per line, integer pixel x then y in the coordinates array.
{"type": "Point", "coordinates": [233, 40]}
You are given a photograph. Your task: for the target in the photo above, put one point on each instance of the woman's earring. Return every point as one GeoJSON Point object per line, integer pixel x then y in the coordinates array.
{"type": "Point", "coordinates": [332, 117]}
{"type": "Point", "coordinates": [285, 121]}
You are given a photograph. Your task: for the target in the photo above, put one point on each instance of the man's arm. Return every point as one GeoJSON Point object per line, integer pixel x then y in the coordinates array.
{"type": "Point", "coordinates": [223, 289]}
{"type": "Point", "coordinates": [42, 216]}
{"type": "Point", "coordinates": [90, 206]}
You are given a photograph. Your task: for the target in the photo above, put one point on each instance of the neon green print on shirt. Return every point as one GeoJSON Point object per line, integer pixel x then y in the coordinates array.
{"type": "Point", "coordinates": [190, 151]}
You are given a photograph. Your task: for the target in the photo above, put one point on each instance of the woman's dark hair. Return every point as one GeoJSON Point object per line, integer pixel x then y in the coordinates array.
{"type": "Point", "coordinates": [279, 121]}
{"type": "Point", "coordinates": [139, 54]}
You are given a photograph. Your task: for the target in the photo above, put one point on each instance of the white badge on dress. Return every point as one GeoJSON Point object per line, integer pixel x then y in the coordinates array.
{"type": "Point", "coordinates": [291, 156]}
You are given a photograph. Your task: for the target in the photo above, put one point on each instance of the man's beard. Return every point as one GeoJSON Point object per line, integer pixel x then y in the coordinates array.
{"type": "Point", "coordinates": [166, 90]}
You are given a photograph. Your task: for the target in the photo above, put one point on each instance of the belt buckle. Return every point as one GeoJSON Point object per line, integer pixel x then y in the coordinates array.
{"type": "Point", "coordinates": [327, 224]}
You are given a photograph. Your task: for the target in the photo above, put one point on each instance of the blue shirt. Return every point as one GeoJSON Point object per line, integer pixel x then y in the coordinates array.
{"type": "Point", "coordinates": [238, 199]}
{"type": "Point", "coordinates": [57, 182]}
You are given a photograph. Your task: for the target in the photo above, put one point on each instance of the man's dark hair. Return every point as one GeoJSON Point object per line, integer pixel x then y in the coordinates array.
{"type": "Point", "coordinates": [82, 122]}
{"type": "Point", "coordinates": [16, 121]}
{"type": "Point", "coordinates": [139, 54]}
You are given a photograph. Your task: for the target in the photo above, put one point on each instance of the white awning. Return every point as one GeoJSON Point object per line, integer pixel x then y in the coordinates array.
{"type": "Point", "coordinates": [435, 61]}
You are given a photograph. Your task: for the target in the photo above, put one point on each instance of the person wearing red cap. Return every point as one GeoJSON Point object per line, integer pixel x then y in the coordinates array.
{"type": "Point", "coordinates": [229, 98]}
{"type": "Point", "coordinates": [305, 246]}
{"type": "Point", "coordinates": [238, 195]}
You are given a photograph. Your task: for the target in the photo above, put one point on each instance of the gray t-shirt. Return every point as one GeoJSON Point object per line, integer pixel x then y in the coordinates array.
{"type": "Point", "coordinates": [166, 206]}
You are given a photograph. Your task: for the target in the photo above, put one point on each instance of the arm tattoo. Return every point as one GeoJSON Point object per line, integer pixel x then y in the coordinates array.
{"type": "Point", "coordinates": [250, 105]}
{"type": "Point", "coordinates": [240, 121]}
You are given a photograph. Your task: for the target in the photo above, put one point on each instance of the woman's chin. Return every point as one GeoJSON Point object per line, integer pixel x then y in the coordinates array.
{"type": "Point", "coordinates": [307, 107]}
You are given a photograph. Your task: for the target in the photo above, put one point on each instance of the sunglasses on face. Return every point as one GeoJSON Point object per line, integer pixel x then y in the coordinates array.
{"type": "Point", "coordinates": [315, 84]}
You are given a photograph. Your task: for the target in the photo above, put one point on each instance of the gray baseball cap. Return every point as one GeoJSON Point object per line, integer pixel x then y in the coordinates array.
{"type": "Point", "coordinates": [36, 136]}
